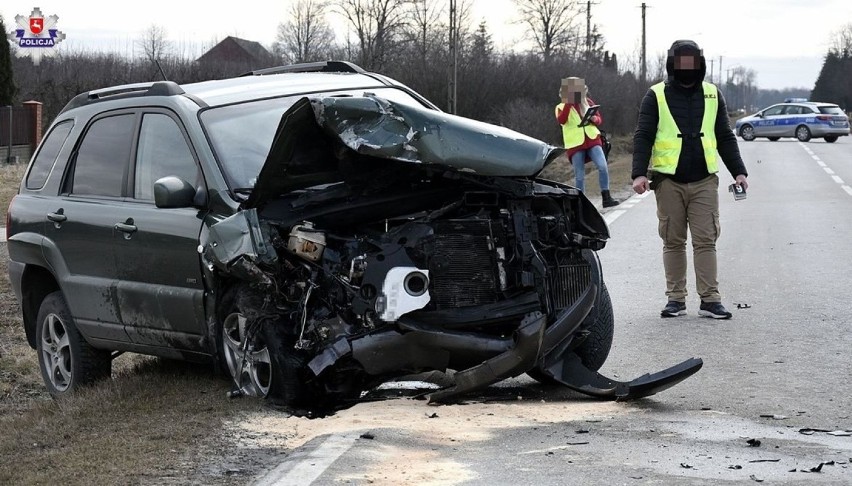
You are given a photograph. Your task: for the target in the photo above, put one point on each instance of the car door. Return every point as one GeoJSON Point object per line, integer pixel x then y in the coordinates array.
{"type": "Point", "coordinates": [770, 124]}
{"type": "Point", "coordinates": [791, 118]}
{"type": "Point", "coordinates": [79, 232]}
{"type": "Point", "coordinates": [160, 289]}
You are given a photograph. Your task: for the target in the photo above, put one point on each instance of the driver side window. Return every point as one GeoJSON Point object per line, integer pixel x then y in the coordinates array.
{"type": "Point", "coordinates": [162, 152]}
{"type": "Point", "coordinates": [775, 110]}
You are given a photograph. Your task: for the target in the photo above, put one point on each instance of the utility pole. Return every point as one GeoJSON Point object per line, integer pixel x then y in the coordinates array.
{"type": "Point", "coordinates": [711, 69]}
{"type": "Point", "coordinates": [588, 30]}
{"type": "Point", "coordinates": [644, 70]}
{"type": "Point", "coordinates": [454, 59]}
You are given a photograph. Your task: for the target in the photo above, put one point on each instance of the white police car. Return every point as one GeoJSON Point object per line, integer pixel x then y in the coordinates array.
{"type": "Point", "coordinates": [795, 118]}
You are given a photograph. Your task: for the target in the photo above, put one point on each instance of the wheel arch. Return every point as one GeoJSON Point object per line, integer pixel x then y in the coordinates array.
{"type": "Point", "coordinates": [36, 283]}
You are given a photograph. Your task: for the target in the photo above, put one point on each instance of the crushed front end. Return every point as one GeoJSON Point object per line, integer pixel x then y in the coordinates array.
{"type": "Point", "coordinates": [357, 261]}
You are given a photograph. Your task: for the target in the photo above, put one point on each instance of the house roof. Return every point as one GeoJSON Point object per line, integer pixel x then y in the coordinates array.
{"type": "Point", "coordinates": [232, 49]}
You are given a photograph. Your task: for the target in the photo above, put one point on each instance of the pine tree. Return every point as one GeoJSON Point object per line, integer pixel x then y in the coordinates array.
{"type": "Point", "coordinates": [7, 81]}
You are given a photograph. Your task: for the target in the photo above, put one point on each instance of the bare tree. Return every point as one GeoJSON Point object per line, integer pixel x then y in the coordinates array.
{"type": "Point", "coordinates": [376, 24]}
{"type": "Point", "coordinates": [153, 45]}
{"type": "Point", "coordinates": [841, 42]}
{"type": "Point", "coordinates": [425, 16]}
{"type": "Point", "coordinates": [306, 36]}
{"type": "Point", "coordinates": [552, 25]}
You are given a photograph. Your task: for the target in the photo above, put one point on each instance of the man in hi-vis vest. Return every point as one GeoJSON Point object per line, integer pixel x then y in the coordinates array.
{"type": "Point", "coordinates": [683, 122]}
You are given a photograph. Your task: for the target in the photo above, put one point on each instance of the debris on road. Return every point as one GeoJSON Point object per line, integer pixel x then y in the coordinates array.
{"type": "Point", "coordinates": [774, 417]}
{"type": "Point", "coordinates": [753, 443]}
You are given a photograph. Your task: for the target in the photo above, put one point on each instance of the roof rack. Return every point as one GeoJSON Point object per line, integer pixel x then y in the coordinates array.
{"type": "Point", "coordinates": [158, 88]}
{"type": "Point", "coordinates": [310, 67]}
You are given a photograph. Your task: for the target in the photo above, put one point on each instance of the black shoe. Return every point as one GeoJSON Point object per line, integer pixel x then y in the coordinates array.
{"type": "Point", "coordinates": [673, 309]}
{"type": "Point", "coordinates": [714, 309]}
{"type": "Point", "coordinates": [607, 200]}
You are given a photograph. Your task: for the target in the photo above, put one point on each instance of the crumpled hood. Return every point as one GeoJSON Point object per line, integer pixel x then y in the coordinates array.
{"type": "Point", "coordinates": [310, 134]}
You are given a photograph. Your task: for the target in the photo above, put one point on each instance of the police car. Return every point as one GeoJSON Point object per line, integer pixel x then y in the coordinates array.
{"type": "Point", "coordinates": [801, 119]}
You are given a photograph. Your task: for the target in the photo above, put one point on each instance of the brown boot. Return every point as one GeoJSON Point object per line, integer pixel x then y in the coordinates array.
{"type": "Point", "coordinates": [608, 201]}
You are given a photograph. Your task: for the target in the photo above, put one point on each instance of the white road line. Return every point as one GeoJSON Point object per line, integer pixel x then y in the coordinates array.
{"type": "Point", "coordinates": [847, 189]}
{"type": "Point", "coordinates": [815, 157]}
{"type": "Point", "coordinates": [828, 171]}
{"type": "Point", "coordinates": [610, 217]}
{"type": "Point", "coordinates": [643, 195]}
{"type": "Point", "coordinates": [821, 163]}
{"type": "Point", "coordinates": [309, 467]}
{"type": "Point", "coordinates": [837, 179]}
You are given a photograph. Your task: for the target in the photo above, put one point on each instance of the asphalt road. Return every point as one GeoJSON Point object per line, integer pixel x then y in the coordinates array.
{"type": "Point", "coordinates": [782, 364]}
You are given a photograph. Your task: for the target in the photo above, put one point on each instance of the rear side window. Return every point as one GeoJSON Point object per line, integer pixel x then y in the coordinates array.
{"type": "Point", "coordinates": [103, 156]}
{"type": "Point", "coordinates": [162, 152]}
{"type": "Point", "coordinates": [831, 110]}
{"type": "Point", "coordinates": [46, 158]}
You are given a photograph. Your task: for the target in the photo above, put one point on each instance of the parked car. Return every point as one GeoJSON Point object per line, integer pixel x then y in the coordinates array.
{"type": "Point", "coordinates": [795, 118]}
{"type": "Point", "coordinates": [316, 230]}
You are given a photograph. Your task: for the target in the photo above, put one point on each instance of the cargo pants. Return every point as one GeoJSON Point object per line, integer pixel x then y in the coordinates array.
{"type": "Point", "coordinates": [693, 206]}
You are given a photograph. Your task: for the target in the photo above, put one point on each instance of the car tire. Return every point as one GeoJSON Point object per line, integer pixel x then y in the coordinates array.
{"type": "Point", "coordinates": [67, 361]}
{"type": "Point", "coordinates": [803, 133]}
{"type": "Point", "coordinates": [747, 133]}
{"type": "Point", "coordinates": [594, 350]}
{"type": "Point", "coordinates": [774, 139]}
{"type": "Point", "coordinates": [601, 326]}
{"type": "Point", "coordinates": [830, 138]}
{"type": "Point", "coordinates": [256, 353]}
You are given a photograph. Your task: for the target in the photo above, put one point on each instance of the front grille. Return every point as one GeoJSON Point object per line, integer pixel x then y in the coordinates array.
{"type": "Point", "coordinates": [567, 281]}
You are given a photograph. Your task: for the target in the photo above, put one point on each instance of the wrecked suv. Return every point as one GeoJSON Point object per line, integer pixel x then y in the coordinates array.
{"type": "Point", "coordinates": [313, 229]}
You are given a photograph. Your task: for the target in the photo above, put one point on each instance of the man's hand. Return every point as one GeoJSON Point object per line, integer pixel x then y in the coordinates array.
{"type": "Point", "coordinates": [741, 180]}
{"type": "Point", "coordinates": [641, 184]}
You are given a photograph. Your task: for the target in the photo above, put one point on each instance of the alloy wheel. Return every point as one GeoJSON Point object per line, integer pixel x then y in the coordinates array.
{"type": "Point", "coordinates": [247, 356]}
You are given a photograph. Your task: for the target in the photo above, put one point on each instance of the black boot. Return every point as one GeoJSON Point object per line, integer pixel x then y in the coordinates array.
{"type": "Point", "coordinates": [608, 201]}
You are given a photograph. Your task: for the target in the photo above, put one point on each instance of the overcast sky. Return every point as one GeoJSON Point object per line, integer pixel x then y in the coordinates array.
{"type": "Point", "coordinates": [784, 41]}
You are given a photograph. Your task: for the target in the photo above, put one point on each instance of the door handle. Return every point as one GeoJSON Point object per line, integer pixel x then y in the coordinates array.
{"type": "Point", "coordinates": [57, 217]}
{"type": "Point", "coordinates": [125, 228]}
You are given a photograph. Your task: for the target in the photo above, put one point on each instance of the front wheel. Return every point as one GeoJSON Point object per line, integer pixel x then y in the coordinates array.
{"type": "Point", "coordinates": [747, 133]}
{"type": "Point", "coordinates": [66, 360]}
{"type": "Point", "coordinates": [831, 138]}
{"type": "Point", "coordinates": [258, 353]}
{"type": "Point", "coordinates": [594, 350]}
{"type": "Point", "coordinates": [803, 133]}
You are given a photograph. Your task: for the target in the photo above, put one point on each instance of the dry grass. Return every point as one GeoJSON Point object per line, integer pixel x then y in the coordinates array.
{"type": "Point", "coordinates": [620, 165]}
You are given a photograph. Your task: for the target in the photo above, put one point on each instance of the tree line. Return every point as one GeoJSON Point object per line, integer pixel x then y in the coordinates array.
{"type": "Point", "coordinates": [408, 40]}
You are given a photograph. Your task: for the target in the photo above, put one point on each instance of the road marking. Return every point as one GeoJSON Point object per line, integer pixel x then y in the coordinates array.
{"type": "Point", "coordinates": [611, 217]}
{"type": "Point", "coordinates": [827, 170]}
{"type": "Point", "coordinates": [306, 469]}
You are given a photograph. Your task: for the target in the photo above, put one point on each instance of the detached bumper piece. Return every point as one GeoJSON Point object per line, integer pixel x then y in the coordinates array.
{"type": "Point", "coordinates": [571, 372]}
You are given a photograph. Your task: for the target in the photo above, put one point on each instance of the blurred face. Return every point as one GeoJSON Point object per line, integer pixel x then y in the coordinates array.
{"type": "Point", "coordinates": [686, 63]}
{"type": "Point", "coordinates": [572, 90]}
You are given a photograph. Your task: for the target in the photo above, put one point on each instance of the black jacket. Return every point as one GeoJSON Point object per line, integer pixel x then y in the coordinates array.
{"type": "Point", "coordinates": [687, 108]}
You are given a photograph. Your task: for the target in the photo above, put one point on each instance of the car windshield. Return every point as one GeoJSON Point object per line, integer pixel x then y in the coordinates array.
{"type": "Point", "coordinates": [831, 110]}
{"type": "Point", "coordinates": [241, 134]}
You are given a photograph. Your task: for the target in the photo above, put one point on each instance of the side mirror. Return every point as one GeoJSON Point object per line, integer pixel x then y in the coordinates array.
{"type": "Point", "coordinates": [173, 192]}
{"type": "Point", "coordinates": [759, 114]}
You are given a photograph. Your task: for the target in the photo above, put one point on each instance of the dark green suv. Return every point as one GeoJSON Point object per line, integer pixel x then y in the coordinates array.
{"type": "Point", "coordinates": [312, 229]}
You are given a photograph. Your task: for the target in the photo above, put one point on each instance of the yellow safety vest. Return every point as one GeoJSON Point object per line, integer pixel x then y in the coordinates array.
{"type": "Point", "coordinates": [667, 144]}
{"type": "Point", "coordinates": [573, 135]}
